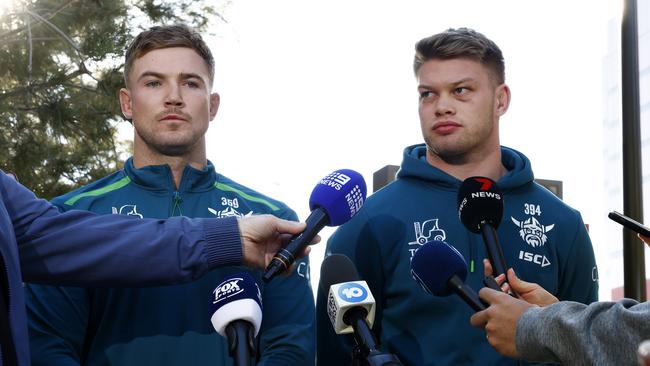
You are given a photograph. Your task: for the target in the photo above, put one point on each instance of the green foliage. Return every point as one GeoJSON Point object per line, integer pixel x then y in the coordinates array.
{"type": "Point", "coordinates": [60, 73]}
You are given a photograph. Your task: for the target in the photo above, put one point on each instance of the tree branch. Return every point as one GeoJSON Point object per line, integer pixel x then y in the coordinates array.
{"type": "Point", "coordinates": [52, 82]}
{"type": "Point", "coordinates": [52, 15]}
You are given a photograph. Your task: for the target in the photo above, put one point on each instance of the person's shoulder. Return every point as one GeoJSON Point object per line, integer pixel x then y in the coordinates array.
{"type": "Point", "coordinates": [395, 193]}
{"type": "Point", "coordinates": [551, 200]}
{"type": "Point", "coordinates": [266, 203]}
{"type": "Point", "coordinates": [105, 185]}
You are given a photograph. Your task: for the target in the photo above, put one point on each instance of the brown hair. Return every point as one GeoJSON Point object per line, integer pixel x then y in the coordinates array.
{"type": "Point", "coordinates": [177, 35]}
{"type": "Point", "coordinates": [461, 43]}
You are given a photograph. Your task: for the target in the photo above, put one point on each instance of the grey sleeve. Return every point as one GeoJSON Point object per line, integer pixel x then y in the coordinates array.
{"type": "Point", "coordinates": [602, 333]}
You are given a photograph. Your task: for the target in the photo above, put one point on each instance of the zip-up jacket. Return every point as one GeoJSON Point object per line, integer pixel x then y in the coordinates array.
{"type": "Point", "coordinates": [167, 325]}
{"type": "Point", "coordinates": [542, 238]}
{"type": "Point", "coordinates": [40, 244]}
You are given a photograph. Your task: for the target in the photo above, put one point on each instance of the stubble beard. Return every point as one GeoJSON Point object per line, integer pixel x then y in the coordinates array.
{"type": "Point", "coordinates": [169, 146]}
{"type": "Point", "coordinates": [457, 150]}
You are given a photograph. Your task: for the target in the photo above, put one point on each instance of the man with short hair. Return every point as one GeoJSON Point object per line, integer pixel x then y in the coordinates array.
{"type": "Point", "coordinates": [462, 96]}
{"type": "Point", "coordinates": [168, 73]}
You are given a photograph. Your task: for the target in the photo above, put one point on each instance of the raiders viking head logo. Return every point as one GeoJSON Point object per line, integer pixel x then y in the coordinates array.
{"type": "Point", "coordinates": [532, 231]}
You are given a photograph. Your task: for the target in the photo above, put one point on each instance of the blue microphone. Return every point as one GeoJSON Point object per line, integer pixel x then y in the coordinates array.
{"type": "Point", "coordinates": [236, 314]}
{"type": "Point", "coordinates": [334, 200]}
{"type": "Point", "coordinates": [441, 270]}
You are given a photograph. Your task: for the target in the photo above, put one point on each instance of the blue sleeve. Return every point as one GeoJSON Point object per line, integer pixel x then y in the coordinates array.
{"type": "Point", "coordinates": [579, 274]}
{"type": "Point", "coordinates": [353, 239]}
{"type": "Point", "coordinates": [82, 248]}
{"type": "Point", "coordinates": [57, 318]}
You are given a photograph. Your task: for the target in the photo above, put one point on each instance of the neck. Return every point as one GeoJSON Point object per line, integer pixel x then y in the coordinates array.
{"type": "Point", "coordinates": [486, 164]}
{"type": "Point", "coordinates": [177, 164]}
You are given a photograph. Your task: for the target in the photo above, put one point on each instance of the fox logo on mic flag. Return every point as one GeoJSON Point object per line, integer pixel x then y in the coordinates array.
{"type": "Point", "coordinates": [236, 297]}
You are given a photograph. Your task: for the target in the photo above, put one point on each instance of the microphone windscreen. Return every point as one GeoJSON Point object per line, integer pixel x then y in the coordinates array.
{"type": "Point", "coordinates": [434, 263]}
{"type": "Point", "coordinates": [337, 268]}
{"type": "Point", "coordinates": [340, 280]}
{"type": "Point", "coordinates": [480, 201]}
{"type": "Point", "coordinates": [237, 297]}
{"type": "Point", "coordinates": [340, 194]}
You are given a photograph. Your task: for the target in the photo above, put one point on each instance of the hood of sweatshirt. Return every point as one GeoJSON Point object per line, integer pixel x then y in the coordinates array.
{"type": "Point", "coordinates": [415, 165]}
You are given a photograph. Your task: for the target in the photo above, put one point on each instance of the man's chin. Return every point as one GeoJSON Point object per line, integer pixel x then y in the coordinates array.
{"type": "Point", "coordinates": [172, 150]}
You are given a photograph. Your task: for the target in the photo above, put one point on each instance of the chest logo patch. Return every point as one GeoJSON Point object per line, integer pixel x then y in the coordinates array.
{"type": "Point", "coordinates": [424, 232]}
{"type": "Point", "coordinates": [228, 212]}
{"type": "Point", "coordinates": [128, 210]}
{"type": "Point", "coordinates": [532, 231]}
{"type": "Point", "coordinates": [229, 208]}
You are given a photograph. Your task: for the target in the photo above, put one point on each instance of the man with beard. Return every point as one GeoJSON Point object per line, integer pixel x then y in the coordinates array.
{"type": "Point", "coordinates": [168, 73]}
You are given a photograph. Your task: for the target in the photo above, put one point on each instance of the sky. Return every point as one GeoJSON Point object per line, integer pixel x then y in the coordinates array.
{"type": "Point", "coordinates": [308, 87]}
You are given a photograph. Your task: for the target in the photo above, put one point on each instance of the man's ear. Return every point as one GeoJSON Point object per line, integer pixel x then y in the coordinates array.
{"type": "Point", "coordinates": [502, 99]}
{"type": "Point", "coordinates": [214, 105]}
{"type": "Point", "coordinates": [125, 103]}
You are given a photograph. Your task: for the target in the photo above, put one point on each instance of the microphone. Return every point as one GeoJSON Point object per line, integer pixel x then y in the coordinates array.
{"type": "Point", "coordinates": [440, 270]}
{"type": "Point", "coordinates": [236, 314]}
{"type": "Point", "coordinates": [334, 200]}
{"type": "Point", "coordinates": [480, 208]}
{"type": "Point", "coordinates": [351, 309]}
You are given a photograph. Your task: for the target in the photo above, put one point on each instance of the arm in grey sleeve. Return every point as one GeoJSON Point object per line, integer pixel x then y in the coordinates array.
{"type": "Point", "coordinates": [604, 333]}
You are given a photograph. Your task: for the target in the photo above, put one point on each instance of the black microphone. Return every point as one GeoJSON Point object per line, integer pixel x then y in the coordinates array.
{"type": "Point", "coordinates": [334, 200]}
{"type": "Point", "coordinates": [236, 314]}
{"type": "Point", "coordinates": [441, 270]}
{"type": "Point", "coordinates": [351, 309]}
{"type": "Point", "coordinates": [480, 209]}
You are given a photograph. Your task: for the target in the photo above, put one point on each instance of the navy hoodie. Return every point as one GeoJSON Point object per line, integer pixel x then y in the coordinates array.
{"type": "Point", "coordinates": [543, 239]}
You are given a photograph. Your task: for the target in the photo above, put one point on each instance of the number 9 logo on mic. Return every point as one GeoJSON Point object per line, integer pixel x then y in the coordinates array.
{"type": "Point", "coordinates": [352, 292]}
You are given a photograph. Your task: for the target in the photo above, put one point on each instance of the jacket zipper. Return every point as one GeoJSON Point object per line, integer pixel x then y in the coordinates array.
{"type": "Point", "coordinates": [177, 204]}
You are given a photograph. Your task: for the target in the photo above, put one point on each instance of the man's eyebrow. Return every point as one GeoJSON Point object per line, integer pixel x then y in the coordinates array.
{"type": "Point", "coordinates": [461, 81]}
{"type": "Point", "coordinates": [183, 75]}
{"type": "Point", "coordinates": [191, 75]}
{"type": "Point", "coordinates": [150, 73]}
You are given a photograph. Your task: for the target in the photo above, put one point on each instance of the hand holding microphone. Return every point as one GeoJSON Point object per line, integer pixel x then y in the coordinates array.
{"type": "Point", "coordinates": [528, 291]}
{"type": "Point", "coordinates": [502, 314]}
{"type": "Point", "coordinates": [236, 314]}
{"type": "Point", "coordinates": [334, 200]}
{"type": "Point", "coordinates": [263, 235]}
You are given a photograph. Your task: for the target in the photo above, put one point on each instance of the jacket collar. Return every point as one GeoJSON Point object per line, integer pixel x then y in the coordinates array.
{"type": "Point", "coordinates": [159, 177]}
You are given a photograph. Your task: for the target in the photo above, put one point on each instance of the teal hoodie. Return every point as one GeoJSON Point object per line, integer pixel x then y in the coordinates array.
{"type": "Point", "coordinates": [167, 325]}
{"type": "Point", "coordinates": [542, 238]}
